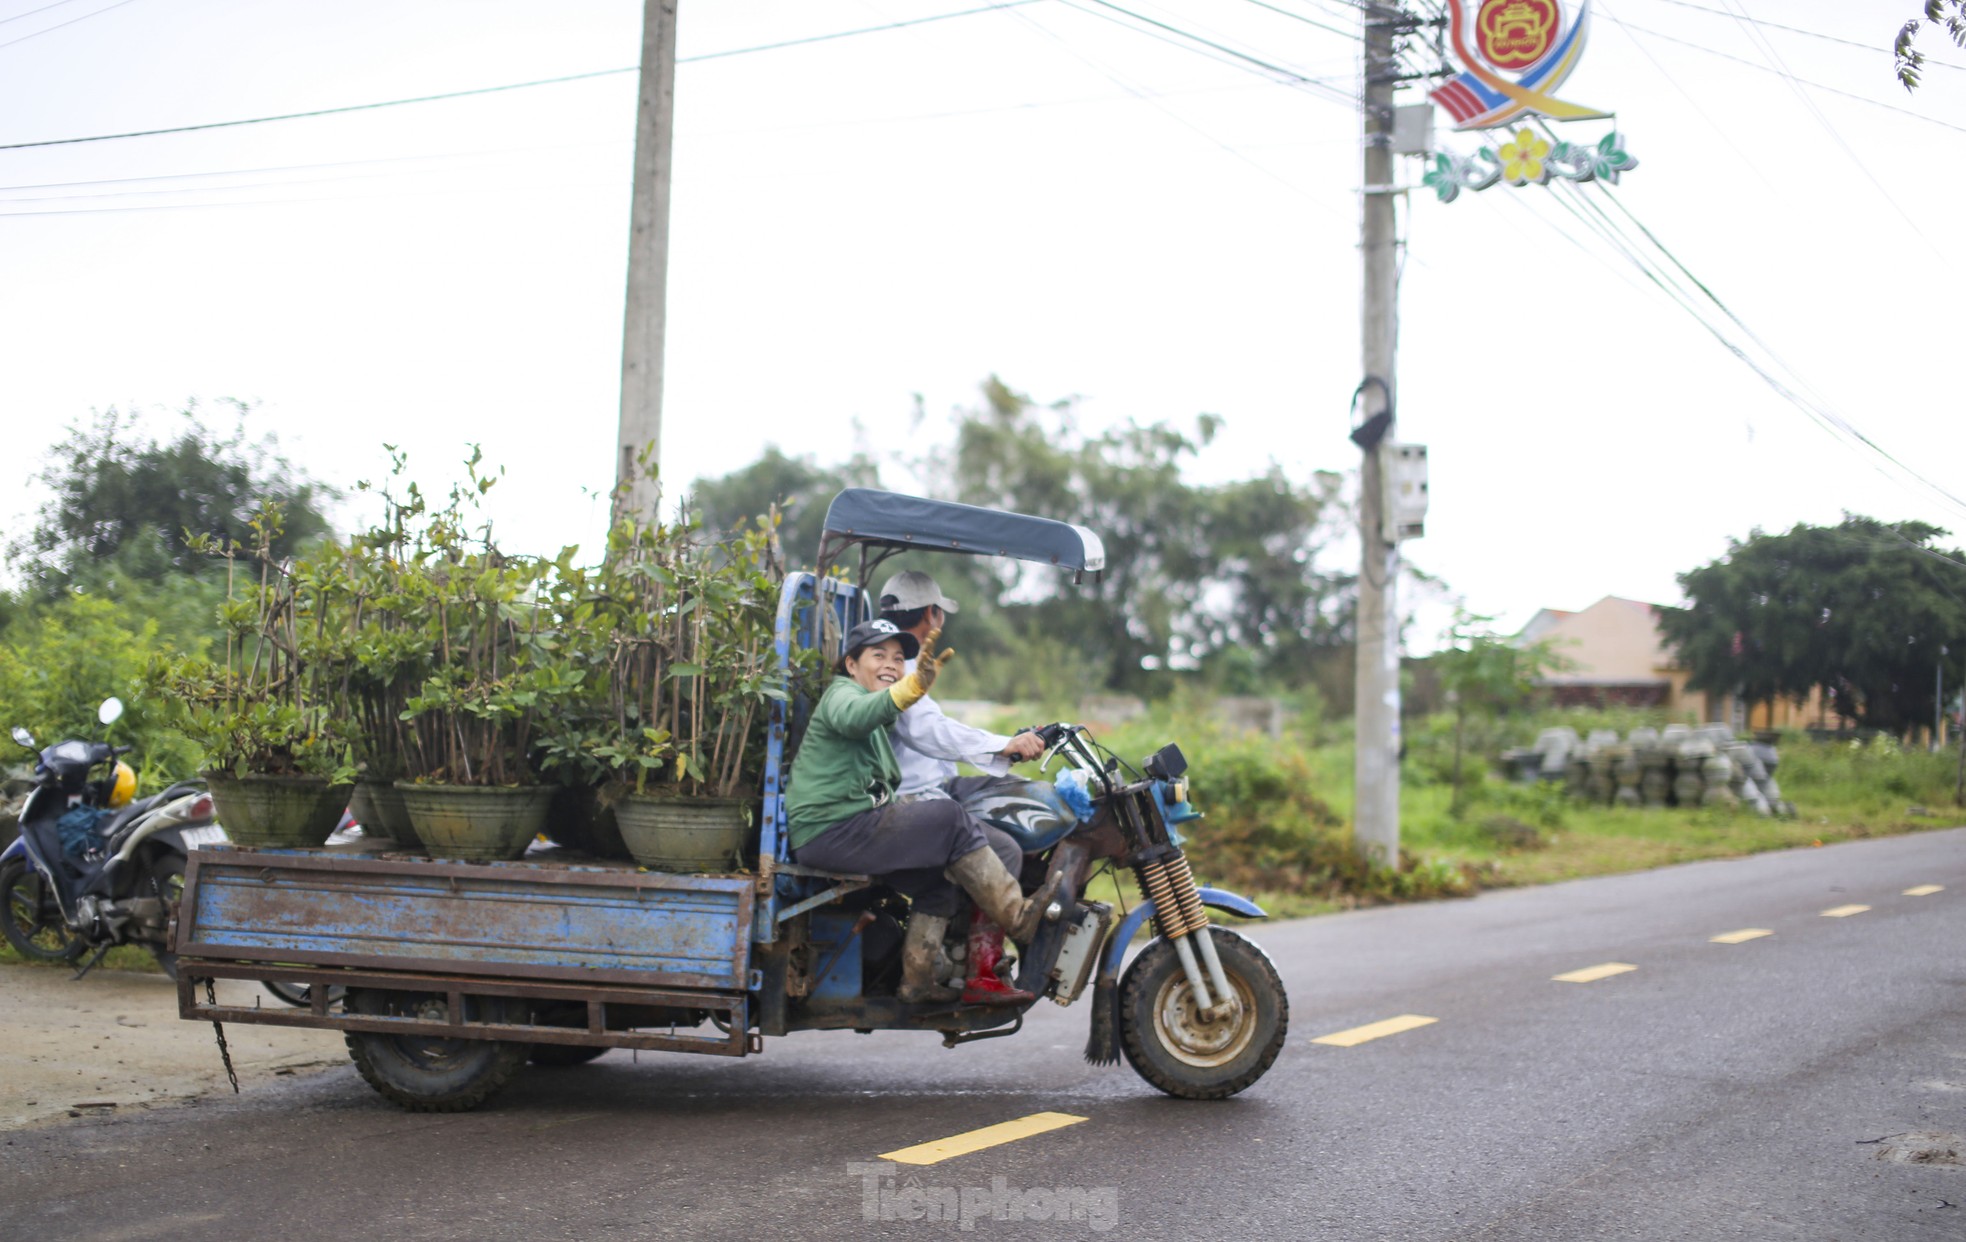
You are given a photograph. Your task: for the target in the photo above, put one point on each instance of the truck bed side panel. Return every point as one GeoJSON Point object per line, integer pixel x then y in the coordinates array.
{"type": "Point", "coordinates": [517, 920]}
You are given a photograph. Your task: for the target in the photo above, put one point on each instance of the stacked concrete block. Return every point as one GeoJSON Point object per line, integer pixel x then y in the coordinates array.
{"type": "Point", "coordinates": [1674, 766]}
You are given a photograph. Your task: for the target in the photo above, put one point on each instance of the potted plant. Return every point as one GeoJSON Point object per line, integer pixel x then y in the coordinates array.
{"type": "Point", "coordinates": [689, 672]}
{"type": "Point", "coordinates": [388, 657]}
{"type": "Point", "coordinates": [496, 678]}
{"type": "Point", "coordinates": [277, 755]}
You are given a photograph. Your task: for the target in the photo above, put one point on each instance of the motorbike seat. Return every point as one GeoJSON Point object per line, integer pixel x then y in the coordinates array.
{"type": "Point", "coordinates": [1031, 813]}
{"type": "Point", "coordinates": [46, 841]}
{"type": "Point", "coordinates": [1033, 842]}
{"type": "Point", "coordinates": [120, 818]}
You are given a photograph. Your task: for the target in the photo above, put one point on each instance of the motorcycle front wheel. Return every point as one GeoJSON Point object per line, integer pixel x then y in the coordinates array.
{"type": "Point", "coordinates": [31, 920]}
{"type": "Point", "coordinates": [1171, 1045]}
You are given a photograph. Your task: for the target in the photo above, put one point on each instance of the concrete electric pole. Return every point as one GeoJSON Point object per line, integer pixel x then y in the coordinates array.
{"type": "Point", "coordinates": [1375, 821]}
{"type": "Point", "coordinates": [648, 268]}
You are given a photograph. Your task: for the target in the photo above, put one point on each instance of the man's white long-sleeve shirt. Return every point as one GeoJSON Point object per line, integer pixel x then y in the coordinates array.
{"type": "Point", "coordinates": [929, 745]}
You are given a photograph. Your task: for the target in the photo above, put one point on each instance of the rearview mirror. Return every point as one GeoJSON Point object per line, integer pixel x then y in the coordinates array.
{"type": "Point", "coordinates": [110, 711]}
{"type": "Point", "coordinates": [23, 737]}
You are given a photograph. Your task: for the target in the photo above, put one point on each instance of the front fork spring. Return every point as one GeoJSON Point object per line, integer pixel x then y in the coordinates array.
{"type": "Point", "coordinates": [1170, 884]}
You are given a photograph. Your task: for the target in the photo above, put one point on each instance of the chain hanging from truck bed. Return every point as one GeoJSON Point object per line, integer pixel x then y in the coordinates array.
{"type": "Point", "coordinates": [218, 1029]}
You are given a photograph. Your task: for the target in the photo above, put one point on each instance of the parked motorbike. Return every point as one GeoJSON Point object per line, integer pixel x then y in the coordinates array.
{"type": "Point", "coordinates": [119, 873]}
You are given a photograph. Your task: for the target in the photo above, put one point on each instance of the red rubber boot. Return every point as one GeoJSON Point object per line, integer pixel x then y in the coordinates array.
{"type": "Point", "coordinates": [985, 987]}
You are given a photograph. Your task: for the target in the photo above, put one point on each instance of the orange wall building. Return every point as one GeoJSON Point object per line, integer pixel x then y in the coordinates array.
{"type": "Point", "coordinates": [1617, 656]}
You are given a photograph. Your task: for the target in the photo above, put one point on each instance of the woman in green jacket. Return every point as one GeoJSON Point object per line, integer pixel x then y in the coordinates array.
{"type": "Point", "coordinates": [843, 817]}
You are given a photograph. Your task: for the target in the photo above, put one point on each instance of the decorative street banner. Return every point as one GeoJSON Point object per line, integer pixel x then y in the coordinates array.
{"type": "Point", "coordinates": [1529, 39]}
{"type": "Point", "coordinates": [1527, 159]}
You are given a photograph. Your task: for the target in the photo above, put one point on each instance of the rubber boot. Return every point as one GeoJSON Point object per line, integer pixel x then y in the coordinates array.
{"type": "Point", "coordinates": [982, 875]}
{"type": "Point", "coordinates": [985, 986]}
{"type": "Point", "coordinates": [918, 953]}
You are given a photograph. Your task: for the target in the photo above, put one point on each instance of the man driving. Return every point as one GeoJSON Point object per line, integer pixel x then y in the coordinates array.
{"type": "Point", "coordinates": [927, 744]}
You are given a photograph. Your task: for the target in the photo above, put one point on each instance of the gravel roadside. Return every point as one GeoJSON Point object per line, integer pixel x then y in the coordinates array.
{"type": "Point", "coordinates": [113, 1040]}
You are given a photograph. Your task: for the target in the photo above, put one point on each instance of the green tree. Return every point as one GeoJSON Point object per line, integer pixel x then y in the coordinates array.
{"type": "Point", "coordinates": [1485, 675]}
{"type": "Point", "coordinates": [1907, 60]}
{"type": "Point", "coordinates": [124, 499]}
{"type": "Point", "coordinates": [63, 657]}
{"type": "Point", "coordinates": [799, 486]}
{"type": "Point", "coordinates": [1219, 579]}
{"type": "Point", "coordinates": [1861, 609]}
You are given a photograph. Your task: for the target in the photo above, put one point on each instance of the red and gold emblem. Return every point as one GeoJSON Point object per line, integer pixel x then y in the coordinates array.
{"type": "Point", "coordinates": [1515, 33]}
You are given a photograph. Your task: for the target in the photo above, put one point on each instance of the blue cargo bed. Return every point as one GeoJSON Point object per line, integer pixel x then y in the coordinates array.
{"type": "Point", "coordinates": [592, 922]}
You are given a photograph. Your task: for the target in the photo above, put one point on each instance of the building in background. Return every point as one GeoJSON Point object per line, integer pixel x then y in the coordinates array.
{"type": "Point", "coordinates": [1617, 657]}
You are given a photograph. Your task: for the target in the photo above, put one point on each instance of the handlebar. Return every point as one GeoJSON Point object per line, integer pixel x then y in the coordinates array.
{"type": "Point", "coordinates": [120, 750]}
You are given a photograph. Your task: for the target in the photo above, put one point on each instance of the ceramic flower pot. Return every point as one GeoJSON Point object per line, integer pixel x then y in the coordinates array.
{"type": "Point", "coordinates": [476, 822]}
{"type": "Point", "coordinates": [280, 811]}
{"type": "Point", "coordinates": [580, 821]}
{"type": "Point", "coordinates": [666, 833]}
{"type": "Point", "coordinates": [378, 807]}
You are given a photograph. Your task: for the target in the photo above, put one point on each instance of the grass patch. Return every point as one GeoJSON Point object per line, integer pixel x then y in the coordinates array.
{"type": "Point", "coordinates": [122, 957]}
{"type": "Point", "coordinates": [1278, 813]}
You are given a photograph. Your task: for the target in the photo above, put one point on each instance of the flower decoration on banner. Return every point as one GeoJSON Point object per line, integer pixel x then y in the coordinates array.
{"type": "Point", "coordinates": [1522, 159]}
{"type": "Point", "coordinates": [1529, 160]}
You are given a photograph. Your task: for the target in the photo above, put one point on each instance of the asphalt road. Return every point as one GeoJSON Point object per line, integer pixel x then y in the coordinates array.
{"type": "Point", "coordinates": [1716, 1091]}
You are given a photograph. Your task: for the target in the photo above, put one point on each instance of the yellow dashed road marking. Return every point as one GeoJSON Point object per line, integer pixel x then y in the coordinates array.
{"type": "Point", "coordinates": [1925, 890]}
{"type": "Point", "coordinates": [1591, 974]}
{"type": "Point", "coordinates": [976, 1140]}
{"type": "Point", "coordinates": [1375, 1030]}
{"type": "Point", "coordinates": [1843, 912]}
{"type": "Point", "coordinates": [1746, 933]}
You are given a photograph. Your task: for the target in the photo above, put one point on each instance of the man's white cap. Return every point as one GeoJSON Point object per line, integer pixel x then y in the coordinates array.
{"type": "Point", "coordinates": [911, 589]}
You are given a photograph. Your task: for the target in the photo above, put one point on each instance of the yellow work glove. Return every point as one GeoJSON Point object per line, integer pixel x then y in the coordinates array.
{"type": "Point", "coordinates": [913, 688]}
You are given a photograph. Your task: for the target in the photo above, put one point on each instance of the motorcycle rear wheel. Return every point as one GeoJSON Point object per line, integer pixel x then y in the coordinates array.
{"type": "Point", "coordinates": [30, 918]}
{"type": "Point", "coordinates": [164, 878]}
{"type": "Point", "coordinates": [301, 995]}
{"type": "Point", "coordinates": [1170, 1045]}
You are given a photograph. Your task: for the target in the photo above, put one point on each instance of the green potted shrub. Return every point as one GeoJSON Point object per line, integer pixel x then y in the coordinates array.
{"type": "Point", "coordinates": [497, 676]}
{"type": "Point", "coordinates": [388, 656]}
{"type": "Point", "coordinates": [277, 754]}
{"type": "Point", "coordinates": [690, 671]}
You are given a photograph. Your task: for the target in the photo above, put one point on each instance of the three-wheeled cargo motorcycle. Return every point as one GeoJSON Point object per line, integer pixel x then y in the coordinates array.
{"type": "Point", "coordinates": [452, 975]}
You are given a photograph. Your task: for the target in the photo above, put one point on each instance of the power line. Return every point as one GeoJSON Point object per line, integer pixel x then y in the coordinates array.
{"type": "Point", "coordinates": [280, 168]}
{"type": "Point", "coordinates": [1149, 99]}
{"type": "Point", "coordinates": [1308, 21]}
{"type": "Point", "coordinates": [1795, 85]}
{"type": "Point", "coordinates": [31, 12]}
{"type": "Point", "coordinates": [1814, 34]}
{"type": "Point", "coordinates": [1700, 47]}
{"type": "Point", "coordinates": [59, 25]}
{"type": "Point", "coordinates": [847, 34]}
{"type": "Point", "coordinates": [1818, 410]}
{"type": "Point", "coordinates": [1290, 75]}
{"type": "Point", "coordinates": [490, 90]}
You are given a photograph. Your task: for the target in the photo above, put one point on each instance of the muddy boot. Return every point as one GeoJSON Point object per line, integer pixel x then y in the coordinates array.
{"type": "Point", "coordinates": [985, 986]}
{"type": "Point", "coordinates": [981, 874]}
{"type": "Point", "coordinates": [918, 954]}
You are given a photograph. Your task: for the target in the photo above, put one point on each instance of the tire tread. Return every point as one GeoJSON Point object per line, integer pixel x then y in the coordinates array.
{"type": "Point", "coordinates": [1134, 1033]}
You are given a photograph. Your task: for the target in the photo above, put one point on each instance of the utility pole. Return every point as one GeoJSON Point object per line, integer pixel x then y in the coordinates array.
{"type": "Point", "coordinates": [1375, 824]}
{"type": "Point", "coordinates": [640, 432]}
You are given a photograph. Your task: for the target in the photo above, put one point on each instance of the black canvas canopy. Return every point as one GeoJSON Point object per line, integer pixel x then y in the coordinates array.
{"type": "Point", "coordinates": [888, 520]}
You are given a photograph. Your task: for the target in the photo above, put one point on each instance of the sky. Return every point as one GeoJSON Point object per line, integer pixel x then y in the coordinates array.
{"type": "Point", "coordinates": [1054, 192]}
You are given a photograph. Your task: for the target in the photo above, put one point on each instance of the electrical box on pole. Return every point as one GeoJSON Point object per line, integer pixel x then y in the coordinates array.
{"type": "Point", "coordinates": [1413, 129]}
{"type": "Point", "coordinates": [1403, 478]}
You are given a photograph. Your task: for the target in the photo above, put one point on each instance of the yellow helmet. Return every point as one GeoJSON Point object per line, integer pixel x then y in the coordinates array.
{"type": "Point", "coordinates": [124, 787]}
